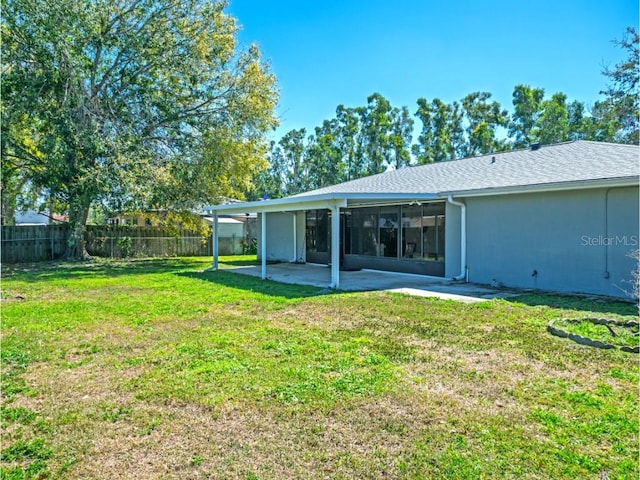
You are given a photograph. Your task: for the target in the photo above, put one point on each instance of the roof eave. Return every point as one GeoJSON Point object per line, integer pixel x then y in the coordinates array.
{"type": "Point", "coordinates": [344, 199]}
{"type": "Point", "coordinates": [547, 187]}
{"type": "Point", "coordinates": [310, 202]}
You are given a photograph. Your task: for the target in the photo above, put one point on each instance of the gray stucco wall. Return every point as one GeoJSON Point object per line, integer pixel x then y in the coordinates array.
{"type": "Point", "coordinates": [576, 241]}
{"type": "Point", "coordinates": [280, 236]}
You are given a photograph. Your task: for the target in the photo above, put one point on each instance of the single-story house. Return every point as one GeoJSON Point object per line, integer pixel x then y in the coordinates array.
{"type": "Point", "coordinates": [558, 217]}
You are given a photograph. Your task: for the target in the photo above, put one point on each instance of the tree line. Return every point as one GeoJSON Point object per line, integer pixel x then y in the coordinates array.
{"type": "Point", "coordinates": [370, 139]}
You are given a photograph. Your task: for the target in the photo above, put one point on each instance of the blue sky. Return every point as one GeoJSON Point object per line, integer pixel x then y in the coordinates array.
{"type": "Point", "coordinates": [326, 53]}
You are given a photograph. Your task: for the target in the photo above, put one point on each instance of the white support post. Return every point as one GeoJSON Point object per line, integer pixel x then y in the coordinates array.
{"type": "Point", "coordinates": [335, 247]}
{"type": "Point", "coordinates": [214, 240]}
{"type": "Point", "coordinates": [295, 238]}
{"type": "Point", "coordinates": [263, 243]}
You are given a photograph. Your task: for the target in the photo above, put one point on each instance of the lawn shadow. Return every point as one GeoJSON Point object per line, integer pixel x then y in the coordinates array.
{"type": "Point", "coordinates": [584, 303]}
{"type": "Point", "coordinates": [242, 262]}
{"type": "Point", "coordinates": [98, 267]}
{"type": "Point", "coordinates": [190, 267]}
{"type": "Point", "coordinates": [257, 285]}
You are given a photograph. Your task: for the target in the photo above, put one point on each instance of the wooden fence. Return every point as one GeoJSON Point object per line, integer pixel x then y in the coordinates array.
{"type": "Point", "coordinates": [33, 243]}
{"type": "Point", "coordinates": [108, 241]}
{"type": "Point", "coordinates": [36, 243]}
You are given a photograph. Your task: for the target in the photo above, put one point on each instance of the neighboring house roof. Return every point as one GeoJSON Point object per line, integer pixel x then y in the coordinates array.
{"type": "Point", "coordinates": [572, 162]}
{"type": "Point", "coordinates": [31, 217]}
{"type": "Point", "coordinates": [578, 164]}
{"type": "Point", "coordinates": [230, 221]}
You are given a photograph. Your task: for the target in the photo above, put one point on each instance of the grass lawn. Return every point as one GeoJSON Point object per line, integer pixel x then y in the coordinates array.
{"type": "Point", "coordinates": [153, 369]}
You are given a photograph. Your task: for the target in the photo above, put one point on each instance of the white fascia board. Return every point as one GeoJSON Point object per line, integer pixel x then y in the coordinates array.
{"type": "Point", "coordinates": [321, 201]}
{"type": "Point", "coordinates": [383, 197]}
{"type": "Point", "coordinates": [373, 199]}
{"type": "Point", "coordinates": [287, 204]}
{"type": "Point", "coordinates": [547, 187]}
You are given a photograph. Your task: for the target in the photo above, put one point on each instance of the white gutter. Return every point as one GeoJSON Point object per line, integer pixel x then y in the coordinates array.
{"type": "Point", "coordinates": [546, 187]}
{"type": "Point", "coordinates": [463, 238]}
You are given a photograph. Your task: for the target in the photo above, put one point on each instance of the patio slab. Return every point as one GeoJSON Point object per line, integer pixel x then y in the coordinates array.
{"type": "Point", "coordinates": [374, 280]}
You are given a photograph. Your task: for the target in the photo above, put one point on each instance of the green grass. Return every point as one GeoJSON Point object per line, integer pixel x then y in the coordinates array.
{"type": "Point", "coordinates": [617, 335]}
{"type": "Point", "coordinates": [158, 366]}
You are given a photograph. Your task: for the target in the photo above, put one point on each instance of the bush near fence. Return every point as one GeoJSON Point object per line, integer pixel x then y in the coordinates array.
{"type": "Point", "coordinates": [34, 243]}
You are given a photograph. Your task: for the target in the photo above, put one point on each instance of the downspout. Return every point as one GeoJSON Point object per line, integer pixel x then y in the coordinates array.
{"type": "Point", "coordinates": [606, 232]}
{"type": "Point", "coordinates": [463, 238]}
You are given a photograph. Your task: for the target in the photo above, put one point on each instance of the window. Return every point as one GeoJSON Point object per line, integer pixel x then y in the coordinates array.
{"type": "Point", "coordinates": [433, 231]}
{"type": "Point", "coordinates": [312, 228]}
{"type": "Point", "coordinates": [322, 242]}
{"type": "Point", "coordinates": [317, 231]}
{"type": "Point", "coordinates": [346, 231]}
{"type": "Point", "coordinates": [364, 231]}
{"type": "Point", "coordinates": [412, 232]}
{"type": "Point", "coordinates": [388, 222]}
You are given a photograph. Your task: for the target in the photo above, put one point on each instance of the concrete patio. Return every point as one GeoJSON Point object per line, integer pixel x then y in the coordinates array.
{"type": "Point", "coordinates": [370, 280]}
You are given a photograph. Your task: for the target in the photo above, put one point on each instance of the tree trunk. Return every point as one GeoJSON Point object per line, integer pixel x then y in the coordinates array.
{"type": "Point", "coordinates": [7, 214]}
{"type": "Point", "coordinates": [77, 220]}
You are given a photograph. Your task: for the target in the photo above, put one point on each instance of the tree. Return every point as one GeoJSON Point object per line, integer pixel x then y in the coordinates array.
{"type": "Point", "coordinates": [622, 94]}
{"type": "Point", "coordinates": [292, 145]}
{"type": "Point", "coordinates": [400, 138]}
{"type": "Point", "coordinates": [270, 182]}
{"type": "Point", "coordinates": [483, 119]}
{"type": "Point", "coordinates": [351, 140]}
{"type": "Point", "coordinates": [603, 124]}
{"type": "Point", "coordinates": [527, 103]}
{"type": "Point", "coordinates": [580, 125]}
{"type": "Point", "coordinates": [552, 125]}
{"type": "Point", "coordinates": [131, 103]}
{"type": "Point", "coordinates": [376, 127]}
{"type": "Point", "coordinates": [442, 135]}
{"type": "Point", "coordinates": [324, 156]}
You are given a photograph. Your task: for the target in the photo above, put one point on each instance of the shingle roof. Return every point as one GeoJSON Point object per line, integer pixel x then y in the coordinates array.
{"type": "Point", "coordinates": [571, 162]}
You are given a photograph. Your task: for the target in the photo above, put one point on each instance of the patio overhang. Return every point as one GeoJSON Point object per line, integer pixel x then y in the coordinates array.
{"type": "Point", "coordinates": [326, 200]}
{"type": "Point", "coordinates": [330, 201]}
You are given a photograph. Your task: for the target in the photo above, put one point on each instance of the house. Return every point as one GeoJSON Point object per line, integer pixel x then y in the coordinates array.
{"type": "Point", "coordinates": [233, 233]}
{"type": "Point", "coordinates": [32, 217]}
{"type": "Point", "coordinates": [558, 217]}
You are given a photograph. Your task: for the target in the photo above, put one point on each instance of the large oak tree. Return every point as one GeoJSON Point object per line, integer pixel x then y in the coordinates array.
{"type": "Point", "coordinates": [131, 103]}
